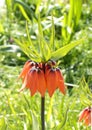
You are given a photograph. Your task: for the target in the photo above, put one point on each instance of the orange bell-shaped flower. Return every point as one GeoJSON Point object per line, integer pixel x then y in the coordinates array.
{"type": "Point", "coordinates": [31, 81]}
{"type": "Point", "coordinates": [83, 114]}
{"type": "Point", "coordinates": [88, 119]}
{"type": "Point", "coordinates": [51, 79]}
{"type": "Point", "coordinates": [28, 79]}
{"type": "Point", "coordinates": [28, 65]}
{"type": "Point", "coordinates": [41, 77]}
{"type": "Point", "coordinates": [86, 116]}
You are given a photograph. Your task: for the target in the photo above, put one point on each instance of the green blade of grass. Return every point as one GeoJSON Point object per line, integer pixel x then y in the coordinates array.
{"type": "Point", "coordinates": [22, 11]}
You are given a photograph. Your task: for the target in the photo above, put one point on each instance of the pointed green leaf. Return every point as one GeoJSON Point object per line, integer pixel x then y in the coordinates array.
{"type": "Point", "coordinates": [29, 51]}
{"type": "Point", "coordinates": [27, 8]}
{"type": "Point", "coordinates": [23, 12]}
{"type": "Point", "coordinates": [30, 44]}
{"type": "Point", "coordinates": [29, 38]}
{"type": "Point", "coordinates": [40, 35]}
{"type": "Point", "coordinates": [46, 52]}
{"type": "Point", "coordinates": [64, 50]}
{"type": "Point", "coordinates": [43, 46]}
{"type": "Point", "coordinates": [52, 40]}
{"type": "Point", "coordinates": [64, 27]}
{"type": "Point", "coordinates": [77, 10]}
{"type": "Point", "coordinates": [71, 12]}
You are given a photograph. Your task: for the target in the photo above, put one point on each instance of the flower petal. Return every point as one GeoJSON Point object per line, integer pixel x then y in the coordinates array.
{"type": "Point", "coordinates": [87, 121]}
{"type": "Point", "coordinates": [51, 80]}
{"type": "Point", "coordinates": [41, 83]}
{"type": "Point", "coordinates": [25, 65]}
{"type": "Point", "coordinates": [32, 81]}
{"type": "Point", "coordinates": [60, 81]}
{"type": "Point", "coordinates": [28, 65]}
{"type": "Point", "coordinates": [61, 86]}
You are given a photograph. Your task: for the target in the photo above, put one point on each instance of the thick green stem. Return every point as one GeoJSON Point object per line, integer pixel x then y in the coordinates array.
{"type": "Point", "coordinates": [42, 112]}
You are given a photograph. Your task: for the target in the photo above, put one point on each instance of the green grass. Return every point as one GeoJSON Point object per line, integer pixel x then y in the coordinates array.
{"type": "Point", "coordinates": [20, 111]}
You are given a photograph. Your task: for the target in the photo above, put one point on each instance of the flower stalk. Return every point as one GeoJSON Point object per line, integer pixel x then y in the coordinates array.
{"type": "Point", "coordinates": [42, 112]}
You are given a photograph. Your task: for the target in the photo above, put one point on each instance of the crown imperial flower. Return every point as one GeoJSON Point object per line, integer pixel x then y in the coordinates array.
{"type": "Point", "coordinates": [86, 116]}
{"type": "Point", "coordinates": [41, 77]}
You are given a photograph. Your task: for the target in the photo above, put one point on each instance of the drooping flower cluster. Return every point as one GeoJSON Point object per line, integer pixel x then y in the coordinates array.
{"type": "Point", "coordinates": [42, 77]}
{"type": "Point", "coordinates": [86, 116]}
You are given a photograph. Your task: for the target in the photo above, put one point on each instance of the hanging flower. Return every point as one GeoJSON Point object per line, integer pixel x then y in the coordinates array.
{"type": "Point", "coordinates": [28, 65]}
{"type": "Point", "coordinates": [86, 116]}
{"type": "Point", "coordinates": [41, 77]}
